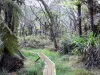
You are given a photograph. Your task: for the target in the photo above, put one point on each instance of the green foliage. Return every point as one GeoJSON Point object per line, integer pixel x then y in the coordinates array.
{"type": "Point", "coordinates": [68, 4]}
{"type": "Point", "coordinates": [67, 46]}
{"type": "Point", "coordinates": [33, 68]}
{"type": "Point", "coordinates": [76, 52]}
{"type": "Point", "coordinates": [60, 61]}
{"type": "Point", "coordinates": [83, 72]}
{"type": "Point", "coordinates": [30, 55]}
{"type": "Point", "coordinates": [80, 41]}
{"type": "Point", "coordinates": [83, 42]}
{"type": "Point", "coordinates": [80, 45]}
{"type": "Point", "coordinates": [38, 68]}
{"type": "Point", "coordinates": [76, 2]}
{"type": "Point", "coordinates": [34, 42]}
{"type": "Point", "coordinates": [92, 40]}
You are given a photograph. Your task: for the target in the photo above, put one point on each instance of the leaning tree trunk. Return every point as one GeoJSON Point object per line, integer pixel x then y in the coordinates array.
{"type": "Point", "coordinates": [79, 17]}
{"type": "Point", "coordinates": [51, 24]}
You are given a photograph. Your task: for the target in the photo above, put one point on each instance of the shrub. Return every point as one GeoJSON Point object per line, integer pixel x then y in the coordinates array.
{"type": "Point", "coordinates": [83, 42]}
{"type": "Point", "coordinates": [37, 69]}
{"type": "Point", "coordinates": [88, 48]}
{"type": "Point", "coordinates": [67, 47]}
{"type": "Point", "coordinates": [34, 42]}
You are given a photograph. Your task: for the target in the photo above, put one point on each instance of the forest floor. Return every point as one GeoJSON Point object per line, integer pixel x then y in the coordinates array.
{"type": "Point", "coordinates": [65, 65]}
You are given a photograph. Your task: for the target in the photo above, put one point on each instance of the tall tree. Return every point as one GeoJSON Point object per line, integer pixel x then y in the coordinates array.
{"type": "Point", "coordinates": [91, 10]}
{"type": "Point", "coordinates": [79, 15]}
{"type": "Point", "coordinates": [52, 22]}
{"type": "Point", "coordinates": [79, 4]}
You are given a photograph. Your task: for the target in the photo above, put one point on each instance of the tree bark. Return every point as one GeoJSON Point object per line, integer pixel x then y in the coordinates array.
{"type": "Point", "coordinates": [92, 19]}
{"type": "Point", "coordinates": [79, 17]}
{"type": "Point", "coordinates": [91, 9]}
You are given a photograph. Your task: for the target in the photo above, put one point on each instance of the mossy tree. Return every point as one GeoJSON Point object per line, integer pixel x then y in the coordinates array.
{"type": "Point", "coordinates": [8, 31]}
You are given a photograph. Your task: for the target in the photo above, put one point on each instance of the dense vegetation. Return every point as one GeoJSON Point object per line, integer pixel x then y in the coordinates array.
{"type": "Point", "coordinates": [64, 30]}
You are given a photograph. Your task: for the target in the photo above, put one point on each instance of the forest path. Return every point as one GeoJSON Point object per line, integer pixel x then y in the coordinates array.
{"type": "Point", "coordinates": [49, 65]}
{"type": "Point", "coordinates": [50, 68]}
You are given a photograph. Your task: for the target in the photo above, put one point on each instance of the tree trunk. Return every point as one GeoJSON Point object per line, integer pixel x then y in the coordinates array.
{"type": "Point", "coordinates": [51, 24]}
{"type": "Point", "coordinates": [90, 6]}
{"type": "Point", "coordinates": [79, 17]}
{"type": "Point", "coordinates": [92, 19]}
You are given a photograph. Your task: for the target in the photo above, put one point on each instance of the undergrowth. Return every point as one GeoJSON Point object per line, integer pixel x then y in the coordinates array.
{"type": "Point", "coordinates": [32, 68]}
{"type": "Point", "coordinates": [61, 63]}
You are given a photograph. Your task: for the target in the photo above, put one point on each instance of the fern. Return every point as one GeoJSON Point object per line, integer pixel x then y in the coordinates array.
{"type": "Point", "coordinates": [8, 39]}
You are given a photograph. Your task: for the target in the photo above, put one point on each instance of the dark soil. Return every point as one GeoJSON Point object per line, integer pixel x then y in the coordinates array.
{"type": "Point", "coordinates": [11, 63]}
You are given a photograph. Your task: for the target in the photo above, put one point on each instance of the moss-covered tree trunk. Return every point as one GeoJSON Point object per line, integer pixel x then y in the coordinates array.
{"type": "Point", "coordinates": [11, 60]}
